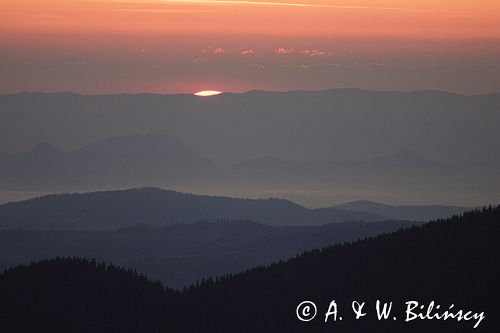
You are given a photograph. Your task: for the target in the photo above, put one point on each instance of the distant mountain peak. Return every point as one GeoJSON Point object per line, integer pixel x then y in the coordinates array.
{"type": "Point", "coordinates": [361, 202]}
{"type": "Point", "coordinates": [44, 148]}
{"type": "Point", "coordinates": [265, 162]}
{"type": "Point", "coordinates": [404, 156]}
{"type": "Point", "coordinates": [150, 143]}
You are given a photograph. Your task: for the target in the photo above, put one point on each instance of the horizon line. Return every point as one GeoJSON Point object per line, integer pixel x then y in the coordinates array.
{"type": "Point", "coordinates": [225, 196]}
{"type": "Point", "coordinates": [403, 91]}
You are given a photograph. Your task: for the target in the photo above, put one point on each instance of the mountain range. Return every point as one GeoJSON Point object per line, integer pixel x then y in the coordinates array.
{"type": "Point", "coordinates": [314, 147]}
{"type": "Point", "coordinates": [334, 125]}
{"type": "Point", "coordinates": [403, 212]}
{"type": "Point", "coordinates": [108, 210]}
{"type": "Point", "coordinates": [181, 254]}
{"type": "Point", "coordinates": [182, 238]}
{"type": "Point", "coordinates": [452, 263]}
{"type": "Point", "coordinates": [156, 159]}
{"type": "Point", "coordinates": [131, 160]}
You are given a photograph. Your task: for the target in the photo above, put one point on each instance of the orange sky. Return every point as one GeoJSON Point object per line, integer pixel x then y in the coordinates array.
{"type": "Point", "coordinates": [97, 46]}
{"type": "Point", "coordinates": [410, 18]}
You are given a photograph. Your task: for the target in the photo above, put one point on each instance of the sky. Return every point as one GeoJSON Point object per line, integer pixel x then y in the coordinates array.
{"type": "Point", "coordinates": [184, 46]}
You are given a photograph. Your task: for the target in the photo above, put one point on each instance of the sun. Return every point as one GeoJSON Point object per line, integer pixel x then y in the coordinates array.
{"type": "Point", "coordinates": [205, 93]}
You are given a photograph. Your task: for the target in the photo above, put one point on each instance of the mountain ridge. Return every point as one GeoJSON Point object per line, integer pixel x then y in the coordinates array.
{"type": "Point", "coordinates": [411, 212]}
{"type": "Point", "coordinates": [425, 91]}
{"type": "Point", "coordinates": [121, 208]}
{"type": "Point", "coordinates": [181, 254]}
{"type": "Point", "coordinates": [106, 210]}
{"type": "Point", "coordinates": [378, 268]}
{"type": "Point", "coordinates": [340, 125]}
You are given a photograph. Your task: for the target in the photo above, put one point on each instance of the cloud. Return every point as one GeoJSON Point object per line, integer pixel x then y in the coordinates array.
{"type": "Point", "coordinates": [372, 64]}
{"type": "Point", "coordinates": [283, 51]}
{"type": "Point", "coordinates": [34, 15]}
{"type": "Point", "coordinates": [239, 2]}
{"type": "Point", "coordinates": [137, 51]}
{"type": "Point", "coordinates": [259, 3]}
{"type": "Point", "coordinates": [213, 50]}
{"type": "Point", "coordinates": [314, 53]}
{"type": "Point", "coordinates": [247, 52]}
{"type": "Point", "coordinates": [258, 66]}
{"type": "Point", "coordinates": [276, 4]}
{"type": "Point", "coordinates": [332, 64]}
{"type": "Point", "coordinates": [219, 51]}
{"type": "Point", "coordinates": [301, 66]}
{"type": "Point", "coordinates": [155, 11]}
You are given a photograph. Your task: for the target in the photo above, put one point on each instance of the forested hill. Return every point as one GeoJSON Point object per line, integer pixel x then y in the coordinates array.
{"type": "Point", "coordinates": [80, 295]}
{"type": "Point", "coordinates": [109, 210]}
{"type": "Point", "coordinates": [180, 254]}
{"type": "Point", "coordinates": [453, 261]}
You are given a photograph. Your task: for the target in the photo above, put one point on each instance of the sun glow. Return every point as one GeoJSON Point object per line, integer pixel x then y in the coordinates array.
{"type": "Point", "coordinates": [205, 93]}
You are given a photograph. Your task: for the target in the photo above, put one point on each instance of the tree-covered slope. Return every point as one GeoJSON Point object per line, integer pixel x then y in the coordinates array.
{"type": "Point", "coordinates": [453, 261]}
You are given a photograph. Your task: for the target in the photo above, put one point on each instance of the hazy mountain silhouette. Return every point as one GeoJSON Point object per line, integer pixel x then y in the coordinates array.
{"type": "Point", "coordinates": [335, 125]}
{"type": "Point", "coordinates": [126, 208]}
{"type": "Point", "coordinates": [452, 261]}
{"type": "Point", "coordinates": [161, 160]}
{"type": "Point", "coordinates": [402, 166]}
{"type": "Point", "coordinates": [181, 254]}
{"type": "Point", "coordinates": [403, 162]}
{"type": "Point", "coordinates": [267, 170]}
{"type": "Point", "coordinates": [128, 160]}
{"type": "Point", "coordinates": [316, 147]}
{"type": "Point", "coordinates": [154, 158]}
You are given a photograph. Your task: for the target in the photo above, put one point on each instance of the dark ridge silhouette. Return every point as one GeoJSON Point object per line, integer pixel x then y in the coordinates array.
{"type": "Point", "coordinates": [180, 254]}
{"type": "Point", "coordinates": [80, 295]}
{"type": "Point", "coordinates": [125, 208]}
{"type": "Point", "coordinates": [453, 261]}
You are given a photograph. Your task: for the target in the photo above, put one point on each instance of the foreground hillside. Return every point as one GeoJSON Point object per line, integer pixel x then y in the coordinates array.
{"type": "Point", "coordinates": [452, 261]}
{"type": "Point", "coordinates": [77, 295]}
